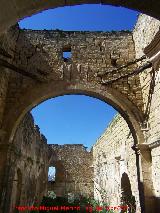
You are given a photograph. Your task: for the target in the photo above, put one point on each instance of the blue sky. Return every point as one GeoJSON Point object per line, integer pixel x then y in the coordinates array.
{"type": "Point", "coordinates": [83, 17]}
{"type": "Point", "coordinates": [77, 118]}
{"type": "Point", "coordinates": [74, 119]}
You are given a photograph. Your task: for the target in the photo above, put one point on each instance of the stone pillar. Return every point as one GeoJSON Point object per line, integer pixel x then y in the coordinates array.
{"type": "Point", "coordinates": [145, 160]}
{"type": "Point", "coordinates": [155, 150]}
{"type": "Point", "coordinates": [6, 176]}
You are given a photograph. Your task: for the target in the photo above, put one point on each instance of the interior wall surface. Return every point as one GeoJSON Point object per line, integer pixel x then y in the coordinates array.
{"type": "Point", "coordinates": [113, 156]}
{"type": "Point", "coordinates": [144, 34]}
{"type": "Point", "coordinates": [74, 171]}
{"type": "Point", "coordinates": [30, 158]}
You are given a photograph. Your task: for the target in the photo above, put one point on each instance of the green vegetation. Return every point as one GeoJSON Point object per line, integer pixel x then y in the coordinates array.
{"type": "Point", "coordinates": [84, 204]}
{"type": "Point", "coordinates": [81, 205]}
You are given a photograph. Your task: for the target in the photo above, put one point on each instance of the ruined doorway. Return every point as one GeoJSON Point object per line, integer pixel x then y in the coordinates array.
{"type": "Point", "coordinates": [127, 197]}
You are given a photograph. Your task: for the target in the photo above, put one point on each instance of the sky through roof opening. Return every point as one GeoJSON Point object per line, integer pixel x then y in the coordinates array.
{"type": "Point", "coordinates": [83, 18]}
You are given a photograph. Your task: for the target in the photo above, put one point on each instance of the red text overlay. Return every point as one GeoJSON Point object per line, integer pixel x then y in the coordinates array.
{"type": "Point", "coordinates": [69, 208]}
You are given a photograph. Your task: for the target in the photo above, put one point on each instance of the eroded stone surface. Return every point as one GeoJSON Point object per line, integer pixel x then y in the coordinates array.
{"type": "Point", "coordinates": [74, 171]}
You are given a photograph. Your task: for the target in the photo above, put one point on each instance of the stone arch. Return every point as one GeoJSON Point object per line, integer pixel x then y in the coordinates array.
{"type": "Point", "coordinates": [45, 91]}
{"type": "Point", "coordinates": [16, 10]}
{"type": "Point", "coordinates": [126, 193]}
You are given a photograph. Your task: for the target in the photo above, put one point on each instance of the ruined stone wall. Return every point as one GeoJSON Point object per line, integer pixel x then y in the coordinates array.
{"type": "Point", "coordinates": [144, 32]}
{"type": "Point", "coordinates": [7, 46]}
{"type": "Point", "coordinates": [4, 77]}
{"type": "Point", "coordinates": [112, 153]}
{"type": "Point", "coordinates": [113, 157]}
{"type": "Point", "coordinates": [74, 172]}
{"type": "Point", "coordinates": [3, 92]}
{"type": "Point", "coordinates": [29, 162]}
{"type": "Point", "coordinates": [40, 53]}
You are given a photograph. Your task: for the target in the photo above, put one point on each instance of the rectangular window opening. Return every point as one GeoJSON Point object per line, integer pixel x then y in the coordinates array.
{"type": "Point", "coordinates": [51, 174]}
{"type": "Point", "coordinates": [67, 53]}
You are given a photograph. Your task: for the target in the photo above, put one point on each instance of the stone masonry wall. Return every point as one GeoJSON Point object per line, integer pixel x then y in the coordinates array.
{"type": "Point", "coordinates": [112, 153]}
{"type": "Point", "coordinates": [113, 157]}
{"type": "Point", "coordinates": [40, 53]}
{"type": "Point", "coordinates": [144, 32]}
{"type": "Point", "coordinates": [4, 78]}
{"type": "Point", "coordinates": [7, 45]}
{"type": "Point", "coordinates": [30, 159]}
{"type": "Point", "coordinates": [29, 163]}
{"type": "Point", "coordinates": [74, 172]}
{"type": "Point", "coordinates": [3, 93]}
